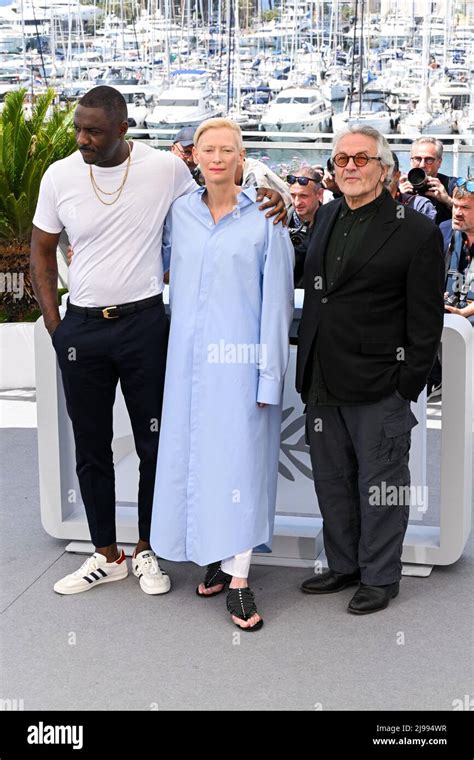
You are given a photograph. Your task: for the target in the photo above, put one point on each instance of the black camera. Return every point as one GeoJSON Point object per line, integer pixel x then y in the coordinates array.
{"type": "Point", "coordinates": [299, 236]}
{"type": "Point", "coordinates": [419, 180]}
{"type": "Point", "coordinates": [452, 299]}
{"type": "Point", "coordinates": [330, 166]}
{"type": "Point", "coordinates": [458, 298]}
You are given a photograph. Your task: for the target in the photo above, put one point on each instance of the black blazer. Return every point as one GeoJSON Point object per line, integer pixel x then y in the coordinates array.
{"type": "Point", "coordinates": [380, 324]}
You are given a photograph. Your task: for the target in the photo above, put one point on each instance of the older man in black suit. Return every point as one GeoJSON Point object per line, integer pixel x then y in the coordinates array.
{"type": "Point", "coordinates": [370, 329]}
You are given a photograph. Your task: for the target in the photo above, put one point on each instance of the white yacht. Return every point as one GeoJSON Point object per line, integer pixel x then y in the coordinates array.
{"type": "Point", "coordinates": [334, 87]}
{"type": "Point", "coordinates": [4, 90]}
{"type": "Point", "coordinates": [297, 109]}
{"type": "Point", "coordinates": [421, 122]}
{"type": "Point", "coordinates": [375, 113]}
{"type": "Point", "coordinates": [465, 120]}
{"type": "Point", "coordinates": [428, 118]}
{"type": "Point", "coordinates": [186, 101]}
{"type": "Point", "coordinates": [139, 100]}
{"type": "Point", "coordinates": [179, 107]}
{"type": "Point", "coordinates": [465, 124]}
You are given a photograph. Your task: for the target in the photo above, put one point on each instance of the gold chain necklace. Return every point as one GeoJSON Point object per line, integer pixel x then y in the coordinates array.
{"type": "Point", "coordinates": [98, 190]}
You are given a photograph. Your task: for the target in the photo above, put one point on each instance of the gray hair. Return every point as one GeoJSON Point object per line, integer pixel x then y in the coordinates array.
{"type": "Point", "coordinates": [308, 171]}
{"type": "Point", "coordinates": [384, 151]}
{"type": "Point", "coordinates": [429, 141]}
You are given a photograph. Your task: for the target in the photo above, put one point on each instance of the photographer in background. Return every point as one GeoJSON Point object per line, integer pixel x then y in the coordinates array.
{"type": "Point", "coordinates": [459, 247]}
{"type": "Point", "coordinates": [458, 238]}
{"type": "Point", "coordinates": [182, 147]}
{"type": "Point", "coordinates": [330, 191]}
{"type": "Point", "coordinates": [329, 179]}
{"type": "Point", "coordinates": [426, 157]}
{"type": "Point", "coordinates": [416, 202]}
{"type": "Point", "coordinates": [307, 195]}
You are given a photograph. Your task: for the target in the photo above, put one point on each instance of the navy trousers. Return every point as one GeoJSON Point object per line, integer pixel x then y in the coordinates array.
{"type": "Point", "coordinates": [93, 355]}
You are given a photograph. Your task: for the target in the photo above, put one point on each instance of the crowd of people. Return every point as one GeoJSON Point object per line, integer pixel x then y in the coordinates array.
{"type": "Point", "coordinates": [380, 255]}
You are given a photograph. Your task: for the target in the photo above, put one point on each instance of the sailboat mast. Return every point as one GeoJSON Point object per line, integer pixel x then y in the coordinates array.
{"type": "Point", "coordinates": [188, 14]}
{"type": "Point", "coordinates": [237, 55]}
{"type": "Point", "coordinates": [23, 37]}
{"type": "Point", "coordinates": [361, 54]}
{"type": "Point", "coordinates": [354, 39]}
{"type": "Point", "coordinates": [229, 52]}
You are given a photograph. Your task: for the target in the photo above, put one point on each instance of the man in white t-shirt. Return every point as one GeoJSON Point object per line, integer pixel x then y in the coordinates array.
{"type": "Point", "coordinates": [112, 197]}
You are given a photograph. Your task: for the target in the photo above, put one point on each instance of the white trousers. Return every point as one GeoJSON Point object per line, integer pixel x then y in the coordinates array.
{"type": "Point", "coordinates": [239, 565]}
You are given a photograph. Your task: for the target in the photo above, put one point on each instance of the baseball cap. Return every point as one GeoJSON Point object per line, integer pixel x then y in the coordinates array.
{"type": "Point", "coordinates": [185, 136]}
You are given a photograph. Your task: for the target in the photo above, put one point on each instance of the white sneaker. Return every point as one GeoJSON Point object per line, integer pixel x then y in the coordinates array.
{"type": "Point", "coordinates": [152, 580]}
{"type": "Point", "coordinates": [435, 392]}
{"type": "Point", "coordinates": [94, 571]}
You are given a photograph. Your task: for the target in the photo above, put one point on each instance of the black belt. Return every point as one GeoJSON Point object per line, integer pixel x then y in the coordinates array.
{"type": "Point", "coordinates": [114, 312]}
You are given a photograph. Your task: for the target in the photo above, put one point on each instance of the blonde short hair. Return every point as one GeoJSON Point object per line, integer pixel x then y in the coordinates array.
{"type": "Point", "coordinates": [218, 123]}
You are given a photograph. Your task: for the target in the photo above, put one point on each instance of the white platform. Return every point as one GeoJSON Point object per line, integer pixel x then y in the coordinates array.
{"type": "Point", "coordinates": [298, 537]}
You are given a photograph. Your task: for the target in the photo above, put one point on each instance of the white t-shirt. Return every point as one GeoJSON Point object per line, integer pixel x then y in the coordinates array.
{"type": "Point", "coordinates": [117, 248]}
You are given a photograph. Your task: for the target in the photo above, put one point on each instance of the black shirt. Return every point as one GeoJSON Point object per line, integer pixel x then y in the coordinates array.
{"type": "Point", "coordinates": [346, 238]}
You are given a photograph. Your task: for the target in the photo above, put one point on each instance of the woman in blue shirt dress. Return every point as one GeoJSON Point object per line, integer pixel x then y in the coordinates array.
{"type": "Point", "coordinates": [231, 299]}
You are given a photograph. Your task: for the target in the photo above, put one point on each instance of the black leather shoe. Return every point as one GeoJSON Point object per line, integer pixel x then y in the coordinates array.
{"type": "Point", "coordinates": [369, 599]}
{"type": "Point", "coordinates": [329, 582]}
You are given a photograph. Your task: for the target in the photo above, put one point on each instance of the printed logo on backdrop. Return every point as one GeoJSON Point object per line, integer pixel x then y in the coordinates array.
{"type": "Point", "coordinates": [295, 460]}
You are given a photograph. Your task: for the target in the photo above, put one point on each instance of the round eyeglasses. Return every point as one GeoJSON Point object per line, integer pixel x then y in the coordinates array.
{"type": "Point", "coordinates": [429, 160]}
{"type": "Point", "coordinates": [360, 159]}
{"type": "Point", "coordinates": [185, 152]}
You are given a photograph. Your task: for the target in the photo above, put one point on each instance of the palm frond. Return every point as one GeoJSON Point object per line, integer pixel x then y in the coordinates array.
{"type": "Point", "coordinates": [40, 110]}
{"type": "Point", "coordinates": [8, 155]}
{"type": "Point", "coordinates": [21, 156]}
{"type": "Point", "coordinates": [13, 109]}
{"type": "Point", "coordinates": [6, 230]}
{"type": "Point", "coordinates": [27, 148]}
{"type": "Point", "coordinates": [4, 189]}
{"type": "Point", "coordinates": [18, 215]}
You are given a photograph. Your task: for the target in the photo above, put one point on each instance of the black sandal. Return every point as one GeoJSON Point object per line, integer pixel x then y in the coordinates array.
{"type": "Point", "coordinates": [214, 577]}
{"type": "Point", "coordinates": [241, 603]}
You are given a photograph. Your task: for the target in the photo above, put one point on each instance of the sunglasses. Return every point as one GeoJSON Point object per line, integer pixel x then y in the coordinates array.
{"type": "Point", "coordinates": [291, 179]}
{"type": "Point", "coordinates": [429, 160]}
{"type": "Point", "coordinates": [360, 159]}
{"type": "Point", "coordinates": [467, 183]}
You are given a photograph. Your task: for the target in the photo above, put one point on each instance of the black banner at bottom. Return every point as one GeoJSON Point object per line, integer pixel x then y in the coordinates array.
{"type": "Point", "coordinates": [366, 735]}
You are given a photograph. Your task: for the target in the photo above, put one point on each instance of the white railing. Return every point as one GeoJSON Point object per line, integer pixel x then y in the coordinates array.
{"type": "Point", "coordinates": [314, 141]}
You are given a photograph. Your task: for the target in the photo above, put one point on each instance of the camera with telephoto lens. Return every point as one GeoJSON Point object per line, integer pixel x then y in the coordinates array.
{"type": "Point", "coordinates": [419, 181]}
{"type": "Point", "coordinates": [299, 236]}
{"type": "Point", "coordinates": [458, 298]}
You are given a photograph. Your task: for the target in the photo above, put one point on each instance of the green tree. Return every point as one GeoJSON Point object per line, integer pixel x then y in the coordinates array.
{"type": "Point", "coordinates": [28, 145]}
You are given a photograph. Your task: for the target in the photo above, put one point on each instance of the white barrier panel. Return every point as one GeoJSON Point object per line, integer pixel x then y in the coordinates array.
{"type": "Point", "coordinates": [17, 343]}
{"type": "Point", "coordinates": [298, 534]}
